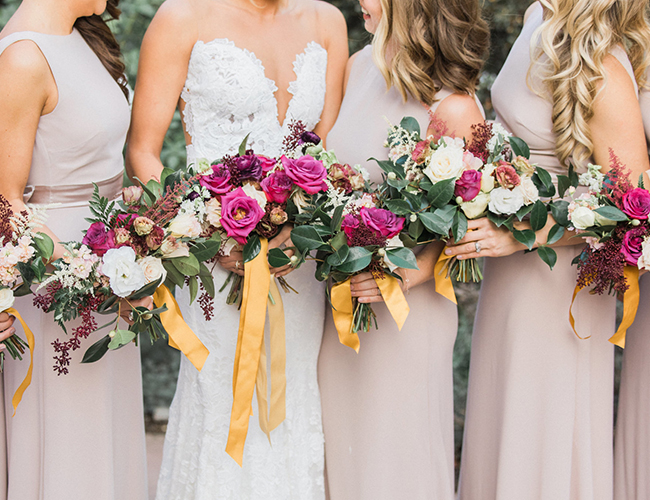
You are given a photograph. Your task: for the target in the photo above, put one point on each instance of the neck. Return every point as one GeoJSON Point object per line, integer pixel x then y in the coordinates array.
{"type": "Point", "coordinates": [52, 17]}
{"type": "Point", "coordinates": [264, 7]}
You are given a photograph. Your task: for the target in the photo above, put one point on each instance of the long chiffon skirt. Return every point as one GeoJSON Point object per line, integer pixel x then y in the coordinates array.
{"type": "Point", "coordinates": [632, 450]}
{"type": "Point", "coordinates": [540, 400]}
{"type": "Point", "coordinates": [388, 411]}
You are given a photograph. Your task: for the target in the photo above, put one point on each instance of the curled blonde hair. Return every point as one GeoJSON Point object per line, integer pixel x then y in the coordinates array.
{"type": "Point", "coordinates": [421, 46]}
{"type": "Point", "coordinates": [575, 38]}
{"type": "Point", "coordinates": [634, 28]}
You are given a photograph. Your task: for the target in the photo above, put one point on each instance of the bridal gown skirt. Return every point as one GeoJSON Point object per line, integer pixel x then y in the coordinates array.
{"type": "Point", "coordinates": [540, 400]}
{"type": "Point", "coordinates": [195, 464]}
{"type": "Point", "coordinates": [388, 411]}
{"type": "Point", "coordinates": [632, 457]}
{"type": "Point", "coordinates": [78, 436]}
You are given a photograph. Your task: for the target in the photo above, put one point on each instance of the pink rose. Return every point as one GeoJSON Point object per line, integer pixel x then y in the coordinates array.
{"type": "Point", "coordinates": [155, 238]}
{"type": "Point", "coordinates": [349, 224]}
{"type": "Point", "coordinates": [632, 246]}
{"type": "Point", "coordinates": [125, 220]}
{"type": "Point", "coordinates": [99, 239]}
{"type": "Point", "coordinates": [240, 214]}
{"type": "Point", "coordinates": [307, 173]}
{"type": "Point", "coordinates": [217, 181]}
{"type": "Point", "coordinates": [382, 221]}
{"type": "Point", "coordinates": [636, 203]}
{"type": "Point", "coordinates": [267, 164]}
{"type": "Point", "coordinates": [468, 186]}
{"type": "Point", "coordinates": [507, 176]}
{"type": "Point", "coordinates": [277, 186]}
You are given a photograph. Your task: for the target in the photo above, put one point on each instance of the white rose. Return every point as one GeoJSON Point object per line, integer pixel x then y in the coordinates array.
{"type": "Point", "coordinates": [185, 224]}
{"type": "Point", "coordinates": [505, 201]}
{"type": "Point", "coordinates": [172, 248]}
{"type": "Point", "coordinates": [603, 221]}
{"type": "Point", "coordinates": [529, 190]}
{"type": "Point", "coordinates": [125, 275]}
{"type": "Point", "coordinates": [476, 207]}
{"type": "Point", "coordinates": [445, 163]}
{"type": "Point", "coordinates": [256, 194]}
{"type": "Point", "coordinates": [487, 179]}
{"type": "Point", "coordinates": [153, 269]}
{"type": "Point", "coordinates": [583, 217]}
{"type": "Point", "coordinates": [228, 246]}
{"type": "Point", "coordinates": [644, 260]}
{"type": "Point", "coordinates": [6, 299]}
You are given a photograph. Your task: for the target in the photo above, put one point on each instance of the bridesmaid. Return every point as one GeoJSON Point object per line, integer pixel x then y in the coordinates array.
{"type": "Point", "coordinates": [388, 411]}
{"type": "Point", "coordinates": [632, 449]}
{"type": "Point", "coordinates": [64, 115]}
{"type": "Point", "coordinates": [539, 411]}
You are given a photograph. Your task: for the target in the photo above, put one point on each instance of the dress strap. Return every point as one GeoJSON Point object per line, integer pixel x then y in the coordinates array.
{"type": "Point", "coordinates": [18, 37]}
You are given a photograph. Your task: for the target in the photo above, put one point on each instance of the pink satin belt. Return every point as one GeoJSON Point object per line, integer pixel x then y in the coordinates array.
{"type": "Point", "coordinates": [76, 194]}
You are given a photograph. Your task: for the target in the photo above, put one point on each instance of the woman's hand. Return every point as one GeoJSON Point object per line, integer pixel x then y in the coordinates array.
{"type": "Point", "coordinates": [233, 262]}
{"type": "Point", "coordinates": [6, 326]}
{"type": "Point", "coordinates": [484, 239]}
{"type": "Point", "coordinates": [282, 238]}
{"type": "Point", "coordinates": [127, 306]}
{"type": "Point", "coordinates": [364, 287]}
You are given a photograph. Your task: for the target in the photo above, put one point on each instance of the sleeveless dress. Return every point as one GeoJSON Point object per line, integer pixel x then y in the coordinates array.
{"type": "Point", "coordinates": [81, 435]}
{"type": "Point", "coordinates": [227, 96]}
{"type": "Point", "coordinates": [387, 411]}
{"type": "Point", "coordinates": [540, 400]}
{"type": "Point", "coordinates": [632, 450]}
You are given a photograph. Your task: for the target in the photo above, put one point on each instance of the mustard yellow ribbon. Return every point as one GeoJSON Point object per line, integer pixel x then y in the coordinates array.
{"type": "Point", "coordinates": [18, 395]}
{"type": "Point", "coordinates": [181, 337]}
{"type": "Point", "coordinates": [630, 306]}
{"type": "Point", "coordinates": [443, 282]}
{"type": "Point", "coordinates": [343, 307]}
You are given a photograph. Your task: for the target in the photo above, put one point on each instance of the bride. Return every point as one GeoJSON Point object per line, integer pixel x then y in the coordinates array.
{"type": "Point", "coordinates": [239, 67]}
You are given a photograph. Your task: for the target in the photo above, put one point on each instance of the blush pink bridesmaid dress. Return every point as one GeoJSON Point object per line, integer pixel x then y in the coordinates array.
{"type": "Point", "coordinates": [78, 436]}
{"type": "Point", "coordinates": [540, 400]}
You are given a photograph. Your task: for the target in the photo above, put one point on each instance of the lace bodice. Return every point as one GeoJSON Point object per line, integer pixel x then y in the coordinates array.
{"type": "Point", "coordinates": [227, 96]}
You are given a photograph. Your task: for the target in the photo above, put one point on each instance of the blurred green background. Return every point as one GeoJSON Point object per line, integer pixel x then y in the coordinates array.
{"type": "Point", "coordinates": [159, 362]}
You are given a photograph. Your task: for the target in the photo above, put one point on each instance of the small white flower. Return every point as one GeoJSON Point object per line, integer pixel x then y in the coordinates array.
{"type": "Point", "coordinates": [6, 299]}
{"type": "Point", "coordinates": [392, 176]}
{"type": "Point", "coordinates": [125, 275]}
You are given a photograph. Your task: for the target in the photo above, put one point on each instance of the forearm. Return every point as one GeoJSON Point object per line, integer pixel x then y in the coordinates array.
{"type": "Point", "coordinates": [426, 261]}
{"type": "Point", "coordinates": [143, 165]}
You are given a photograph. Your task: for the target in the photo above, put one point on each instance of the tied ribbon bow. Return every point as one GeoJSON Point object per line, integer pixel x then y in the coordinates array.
{"type": "Point", "coordinates": [630, 306]}
{"type": "Point", "coordinates": [343, 308]}
{"type": "Point", "coordinates": [181, 337]}
{"type": "Point", "coordinates": [18, 395]}
{"type": "Point", "coordinates": [250, 368]}
{"type": "Point", "coordinates": [444, 285]}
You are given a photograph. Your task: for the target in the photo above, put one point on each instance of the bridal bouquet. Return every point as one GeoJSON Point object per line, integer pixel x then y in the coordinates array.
{"type": "Point", "coordinates": [440, 182]}
{"type": "Point", "coordinates": [23, 253]}
{"type": "Point", "coordinates": [130, 249]}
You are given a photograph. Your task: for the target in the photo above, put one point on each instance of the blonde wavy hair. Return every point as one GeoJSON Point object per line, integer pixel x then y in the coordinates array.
{"type": "Point", "coordinates": [421, 46]}
{"type": "Point", "coordinates": [569, 48]}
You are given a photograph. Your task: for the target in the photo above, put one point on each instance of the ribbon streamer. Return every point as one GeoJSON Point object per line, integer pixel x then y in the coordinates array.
{"type": "Point", "coordinates": [18, 395]}
{"type": "Point", "coordinates": [444, 285]}
{"type": "Point", "coordinates": [343, 307]}
{"type": "Point", "coordinates": [181, 336]}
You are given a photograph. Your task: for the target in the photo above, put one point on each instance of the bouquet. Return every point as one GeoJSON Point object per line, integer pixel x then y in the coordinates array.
{"type": "Point", "coordinates": [130, 249]}
{"type": "Point", "coordinates": [23, 253]}
{"type": "Point", "coordinates": [440, 182]}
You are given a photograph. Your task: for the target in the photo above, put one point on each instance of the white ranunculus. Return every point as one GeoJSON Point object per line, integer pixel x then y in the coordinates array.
{"type": "Point", "coordinates": [644, 260]}
{"type": "Point", "coordinates": [257, 194]}
{"type": "Point", "coordinates": [6, 299]}
{"type": "Point", "coordinates": [153, 269]}
{"type": "Point", "coordinates": [529, 190]}
{"type": "Point", "coordinates": [476, 207]}
{"type": "Point", "coordinates": [583, 217]}
{"type": "Point", "coordinates": [185, 224]}
{"type": "Point", "coordinates": [123, 272]}
{"type": "Point", "coordinates": [446, 162]}
{"type": "Point", "coordinates": [506, 201]}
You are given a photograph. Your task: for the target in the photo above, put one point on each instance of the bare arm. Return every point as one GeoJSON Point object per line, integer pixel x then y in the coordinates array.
{"type": "Point", "coordinates": [162, 70]}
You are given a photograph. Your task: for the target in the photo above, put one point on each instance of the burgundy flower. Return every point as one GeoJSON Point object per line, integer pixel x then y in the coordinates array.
{"type": "Point", "coordinates": [507, 176]}
{"type": "Point", "coordinates": [155, 238]}
{"type": "Point", "coordinates": [99, 239]}
{"type": "Point", "coordinates": [631, 249]}
{"type": "Point", "coordinates": [240, 214]}
{"type": "Point", "coordinates": [218, 181]}
{"type": "Point", "coordinates": [382, 221]}
{"type": "Point", "coordinates": [349, 223]}
{"type": "Point", "coordinates": [310, 137]}
{"type": "Point", "coordinates": [249, 166]}
{"type": "Point", "coordinates": [468, 185]}
{"type": "Point", "coordinates": [277, 186]}
{"type": "Point", "coordinates": [636, 203]}
{"type": "Point", "coordinates": [307, 173]}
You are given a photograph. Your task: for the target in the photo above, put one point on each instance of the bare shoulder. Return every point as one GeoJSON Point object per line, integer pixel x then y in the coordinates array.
{"type": "Point", "coordinates": [617, 77]}
{"type": "Point", "coordinates": [177, 16]}
{"type": "Point", "coordinates": [457, 105]}
{"type": "Point", "coordinates": [530, 10]}
{"type": "Point", "coordinates": [330, 19]}
{"type": "Point", "coordinates": [24, 60]}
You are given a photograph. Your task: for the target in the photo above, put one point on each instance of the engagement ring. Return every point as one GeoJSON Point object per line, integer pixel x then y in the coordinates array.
{"type": "Point", "coordinates": [477, 245]}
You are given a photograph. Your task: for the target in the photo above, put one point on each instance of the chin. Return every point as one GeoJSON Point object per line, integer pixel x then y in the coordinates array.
{"type": "Point", "coordinates": [100, 8]}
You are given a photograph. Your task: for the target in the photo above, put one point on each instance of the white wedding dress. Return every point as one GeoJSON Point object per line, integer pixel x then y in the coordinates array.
{"type": "Point", "coordinates": [228, 96]}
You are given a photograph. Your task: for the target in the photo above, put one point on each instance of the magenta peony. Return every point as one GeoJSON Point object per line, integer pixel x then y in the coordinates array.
{"type": "Point", "coordinates": [307, 173]}
{"type": "Point", "coordinates": [382, 221]}
{"type": "Point", "coordinates": [468, 186]}
{"type": "Point", "coordinates": [277, 186]}
{"type": "Point", "coordinates": [248, 166]}
{"type": "Point", "coordinates": [636, 203]}
{"type": "Point", "coordinates": [218, 180]}
{"type": "Point", "coordinates": [240, 214]}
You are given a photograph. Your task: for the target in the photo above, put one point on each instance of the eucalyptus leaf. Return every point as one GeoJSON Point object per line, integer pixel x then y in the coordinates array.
{"type": "Point", "coordinates": [277, 258]}
{"type": "Point", "coordinates": [398, 184]}
{"type": "Point", "coordinates": [611, 213]}
{"type": "Point", "coordinates": [337, 217]}
{"type": "Point", "coordinates": [194, 288]}
{"type": "Point", "coordinates": [337, 258]}
{"type": "Point", "coordinates": [538, 215]}
{"type": "Point", "coordinates": [252, 248]}
{"type": "Point", "coordinates": [402, 257]}
{"type": "Point", "coordinates": [96, 351]}
{"type": "Point", "coordinates": [205, 250]}
{"type": "Point", "coordinates": [338, 241]}
{"type": "Point", "coordinates": [459, 225]}
{"type": "Point", "coordinates": [519, 147]}
{"type": "Point", "coordinates": [120, 339]}
{"type": "Point", "coordinates": [411, 124]}
{"type": "Point", "coordinates": [242, 146]}
{"type": "Point", "coordinates": [415, 229]}
{"type": "Point", "coordinates": [306, 238]}
{"type": "Point", "coordinates": [441, 193]}
{"type": "Point", "coordinates": [560, 212]}
{"type": "Point", "coordinates": [187, 266]}
{"type": "Point", "coordinates": [555, 234]}
{"type": "Point", "coordinates": [207, 280]}
{"type": "Point", "coordinates": [145, 291]}
{"type": "Point", "coordinates": [44, 245]}
{"type": "Point", "coordinates": [174, 276]}
{"type": "Point", "coordinates": [525, 237]}
{"type": "Point", "coordinates": [399, 207]}
{"type": "Point", "coordinates": [548, 255]}
{"type": "Point", "coordinates": [358, 259]}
